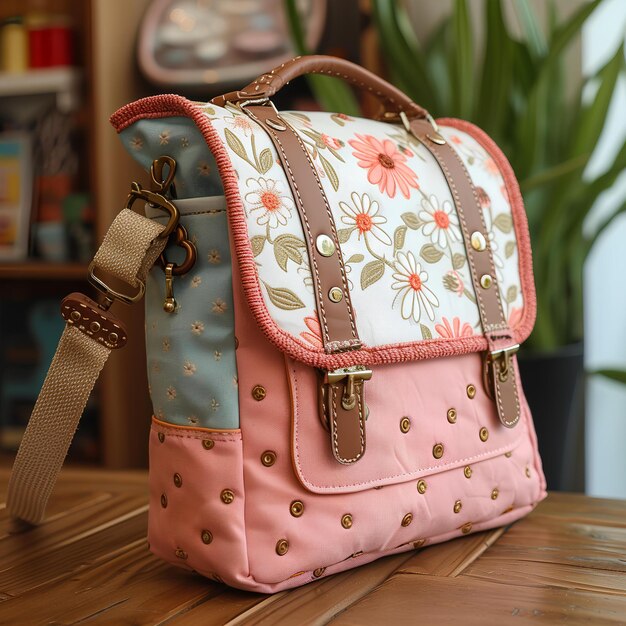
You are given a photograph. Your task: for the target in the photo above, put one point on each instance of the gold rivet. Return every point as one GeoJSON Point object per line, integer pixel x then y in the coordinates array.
{"type": "Point", "coordinates": [466, 528]}
{"type": "Point", "coordinates": [494, 494]}
{"type": "Point", "coordinates": [207, 444]}
{"type": "Point", "coordinates": [458, 505]}
{"type": "Point", "coordinates": [421, 486]}
{"type": "Point", "coordinates": [346, 521]}
{"type": "Point", "coordinates": [479, 243]}
{"type": "Point", "coordinates": [296, 508]}
{"type": "Point", "coordinates": [178, 480]}
{"type": "Point", "coordinates": [282, 546]}
{"type": "Point", "coordinates": [438, 450]}
{"type": "Point", "coordinates": [419, 543]}
{"type": "Point", "coordinates": [527, 472]}
{"type": "Point", "coordinates": [486, 280]}
{"type": "Point", "coordinates": [75, 316]}
{"type": "Point", "coordinates": [94, 327]}
{"type": "Point", "coordinates": [508, 455]}
{"type": "Point", "coordinates": [436, 137]}
{"type": "Point", "coordinates": [163, 500]}
{"type": "Point", "coordinates": [181, 554]}
{"type": "Point", "coordinates": [268, 458]}
{"type": "Point", "coordinates": [319, 572]}
{"type": "Point", "coordinates": [471, 391]}
{"type": "Point", "coordinates": [335, 294]}
{"type": "Point", "coordinates": [113, 337]}
{"type": "Point", "coordinates": [161, 437]}
{"type": "Point", "coordinates": [227, 496]}
{"type": "Point", "coordinates": [452, 416]}
{"type": "Point", "coordinates": [483, 434]}
{"type": "Point", "coordinates": [407, 519]}
{"type": "Point", "coordinates": [405, 424]}
{"type": "Point", "coordinates": [206, 536]}
{"type": "Point", "coordinates": [325, 245]}
{"type": "Point", "coordinates": [467, 471]}
{"type": "Point", "coordinates": [259, 393]}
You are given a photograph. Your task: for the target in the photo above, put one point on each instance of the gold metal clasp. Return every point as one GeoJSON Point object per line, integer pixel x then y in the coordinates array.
{"type": "Point", "coordinates": [500, 361]}
{"type": "Point", "coordinates": [354, 375]}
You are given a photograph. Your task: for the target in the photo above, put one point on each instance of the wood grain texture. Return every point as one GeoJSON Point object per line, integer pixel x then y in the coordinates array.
{"type": "Point", "coordinates": [89, 563]}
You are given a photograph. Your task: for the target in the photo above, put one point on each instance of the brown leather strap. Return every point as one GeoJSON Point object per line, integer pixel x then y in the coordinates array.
{"type": "Point", "coordinates": [347, 426]}
{"type": "Point", "coordinates": [392, 99]}
{"type": "Point", "coordinates": [330, 283]}
{"type": "Point", "coordinates": [495, 327]}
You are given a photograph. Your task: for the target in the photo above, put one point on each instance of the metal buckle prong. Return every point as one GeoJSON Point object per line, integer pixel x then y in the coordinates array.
{"type": "Point", "coordinates": [503, 355]}
{"type": "Point", "coordinates": [353, 375]}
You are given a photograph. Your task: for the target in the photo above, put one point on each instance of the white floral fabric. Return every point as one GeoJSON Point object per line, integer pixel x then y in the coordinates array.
{"type": "Point", "coordinates": [397, 224]}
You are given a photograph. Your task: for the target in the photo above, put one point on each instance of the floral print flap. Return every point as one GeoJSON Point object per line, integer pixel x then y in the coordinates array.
{"type": "Point", "coordinates": [397, 226]}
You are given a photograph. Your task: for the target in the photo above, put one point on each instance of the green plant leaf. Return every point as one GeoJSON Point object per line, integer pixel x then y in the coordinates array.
{"type": "Point", "coordinates": [462, 62]}
{"type": "Point", "coordinates": [503, 222]}
{"type": "Point", "coordinates": [372, 272]}
{"type": "Point", "coordinates": [284, 298]}
{"type": "Point", "coordinates": [356, 258]}
{"type": "Point", "coordinates": [426, 334]}
{"type": "Point", "coordinates": [534, 36]}
{"type": "Point", "coordinates": [458, 261]}
{"type": "Point", "coordinates": [430, 253]}
{"type": "Point", "coordinates": [511, 294]}
{"type": "Point", "coordinates": [288, 247]}
{"type": "Point", "coordinates": [257, 242]}
{"type": "Point", "coordinates": [265, 160]}
{"type": "Point", "coordinates": [509, 249]}
{"type": "Point", "coordinates": [398, 238]}
{"type": "Point", "coordinates": [330, 172]}
{"type": "Point", "coordinates": [613, 374]}
{"type": "Point", "coordinates": [343, 234]}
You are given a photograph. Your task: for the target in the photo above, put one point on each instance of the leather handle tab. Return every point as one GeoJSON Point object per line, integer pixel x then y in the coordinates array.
{"type": "Point", "coordinates": [392, 99]}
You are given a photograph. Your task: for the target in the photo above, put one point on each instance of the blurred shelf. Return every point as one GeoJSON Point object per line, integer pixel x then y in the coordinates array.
{"type": "Point", "coordinates": [62, 81]}
{"type": "Point", "coordinates": [43, 270]}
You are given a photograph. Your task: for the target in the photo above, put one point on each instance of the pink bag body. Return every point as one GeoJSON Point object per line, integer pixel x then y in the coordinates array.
{"type": "Point", "coordinates": [380, 282]}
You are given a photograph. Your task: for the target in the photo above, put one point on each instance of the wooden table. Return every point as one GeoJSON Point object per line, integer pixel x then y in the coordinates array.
{"type": "Point", "coordinates": [565, 563]}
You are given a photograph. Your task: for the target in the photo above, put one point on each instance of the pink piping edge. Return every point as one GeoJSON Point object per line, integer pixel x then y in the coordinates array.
{"type": "Point", "coordinates": [171, 105]}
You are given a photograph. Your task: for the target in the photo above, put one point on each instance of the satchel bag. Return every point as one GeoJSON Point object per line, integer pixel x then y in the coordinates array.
{"type": "Point", "coordinates": [331, 333]}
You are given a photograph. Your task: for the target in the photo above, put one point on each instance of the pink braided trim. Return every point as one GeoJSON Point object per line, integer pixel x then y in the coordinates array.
{"type": "Point", "coordinates": [170, 105]}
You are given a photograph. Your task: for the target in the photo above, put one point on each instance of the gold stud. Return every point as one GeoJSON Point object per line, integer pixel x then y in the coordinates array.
{"type": "Point", "coordinates": [527, 472]}
{"type": "Point", "coordinates": [94, 327]}
{"type": "Point", "coordinates": [335, 294]}
{"type": "Point", "coordinates": [419, 543]}
{"type": "Point", "coordinates": [75, 316]}
{"type": "Point", "coordinates": [438, 450]}
{"type": "Point", "coordinates": [181, 554]}
{"type": "Point", "coordinates": [296, 508]}
{"type": "Point", "coordinates": [405, 425]}
{"type": "Point", "coordinates": [113, 338]}
{"type": "Point", "coordinates": [282, 546]}
{"type": "Point", "coordinates": [458, 505]}
{"type": "Point", "coordinates": [421, 486]}
{"type": "Point", "coordinates": [346, 521]}
{"type": "Point", "coordinates": [486, 280]}
{"type": "Point", "coordinates": [407, 519]}
{"type": "Point", "coordinates": [206, 536]}
{"type": "Point", "coordinates": [466, 528]}
{"type": "Point", "coordinates": [467, 471]}
{"type": "Point", "coordinates": [452, 416]}
{"type": "Point", "coordinates": [494, 494]}
{"type": "Point", "coordinates": [161, 437]}
{"type": "Point", "coordinates": [207, 444]}
{"type": "Point", "coordinates": [483, 434]}
{"type": "Point", "coordinates": [164, 501]}
{"type": "Point", "coordinates": [178, 480]}
{"type": "Point", "coordinates": [319, 572]}
{"type": "Point", "coordinates": [259, 392]}
{"type": "Point", "coordinates": [268, 458]}
{"type": "Point", "coordinates": [471, 391]}
{"type": "Point", "coordinates": [508, 455]}
{"type": "Point", "coordinates": [478, 241]}
{"type": "Point", "coordinates": [325, 245]}
{"type": "Point", "coordinates": [227, 496]}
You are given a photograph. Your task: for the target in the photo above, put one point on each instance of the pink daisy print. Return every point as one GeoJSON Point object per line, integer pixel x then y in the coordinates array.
{"type": "Point", "coordinates": [455, 329]}
{"type": "Point", "coordinates": [385, 165]}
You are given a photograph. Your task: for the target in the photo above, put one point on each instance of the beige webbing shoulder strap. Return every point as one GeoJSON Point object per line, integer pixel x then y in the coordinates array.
{"type": "Point", "coordinates": [130, 248]}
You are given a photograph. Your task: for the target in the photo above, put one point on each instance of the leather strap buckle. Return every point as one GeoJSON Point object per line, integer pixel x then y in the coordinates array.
{"type": "Point", "coordinates": [352, 375]}
{"type": "Point", "coordinates": [500, 360]}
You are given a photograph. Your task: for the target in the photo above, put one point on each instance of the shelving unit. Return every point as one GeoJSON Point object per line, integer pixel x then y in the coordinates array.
{"type": "Point", "coordinates": [41, 270]}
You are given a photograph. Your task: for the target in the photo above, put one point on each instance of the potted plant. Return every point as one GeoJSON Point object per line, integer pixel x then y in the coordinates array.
{"type": "Point", "coordinates": [520, 93]}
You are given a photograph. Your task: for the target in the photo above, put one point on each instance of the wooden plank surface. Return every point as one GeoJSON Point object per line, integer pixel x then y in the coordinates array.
{"type": "Point", "coordinates": [89, 563]}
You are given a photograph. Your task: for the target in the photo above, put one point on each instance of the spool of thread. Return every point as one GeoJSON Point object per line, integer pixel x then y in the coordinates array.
{"type": "Point", "coordinates": [14, 46]}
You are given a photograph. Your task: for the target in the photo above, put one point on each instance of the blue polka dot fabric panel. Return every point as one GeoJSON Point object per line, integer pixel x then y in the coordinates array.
{"type": "Point", "coordinates": [192, 369]}
{"type": "Point", "coordinates": [179, 138]}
